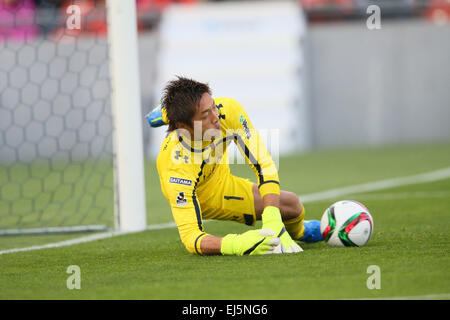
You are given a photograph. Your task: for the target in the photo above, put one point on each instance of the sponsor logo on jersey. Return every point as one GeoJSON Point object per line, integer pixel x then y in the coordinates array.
{"type": "Point", "coordinates": [180, 181]}
{"type": "Point", "coordinates": [181, 199]}
{"type": "Point", "coordinates": [244, 123]}
{"type": "Point", "coordinates": [178, 155]}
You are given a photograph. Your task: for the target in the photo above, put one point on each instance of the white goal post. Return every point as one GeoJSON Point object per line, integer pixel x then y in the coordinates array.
{"type": "Point", "coordinates": [130, 214]}
{"type": "Point", "coordinates": [71, 139]}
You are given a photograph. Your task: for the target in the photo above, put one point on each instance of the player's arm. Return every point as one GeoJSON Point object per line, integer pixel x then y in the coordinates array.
{"type": "Point", "coordinates": [262, 241]}
{"type": "Point", "coordinates": [257, 156]}
{"type": "Point", "coordinates": [186, 211]}
{"type": "Point", "coordinates": [271, 199]}
{"type": "Point", "coordinates": [211, 245]}
{"type": "Point", "coordinates": [179, 188]}
{"type": "Point", "coordinates": [253, 149]}
{"type": "Point", "coordinates": [253, 242]}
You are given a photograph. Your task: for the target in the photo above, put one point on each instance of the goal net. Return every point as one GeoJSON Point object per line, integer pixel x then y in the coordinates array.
{"type": "Point", "coordinates": [61, 144]}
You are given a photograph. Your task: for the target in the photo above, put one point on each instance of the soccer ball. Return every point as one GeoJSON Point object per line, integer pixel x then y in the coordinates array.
{"type": "Point", "coordinates": [346, 223]}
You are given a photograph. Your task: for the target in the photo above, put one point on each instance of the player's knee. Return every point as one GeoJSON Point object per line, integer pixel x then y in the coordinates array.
{"type": "Point", "coordinates": [291, 206]}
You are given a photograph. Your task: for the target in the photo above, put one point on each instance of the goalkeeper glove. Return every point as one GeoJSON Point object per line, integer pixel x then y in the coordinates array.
{"type": "Point", "coordinates": [252, 242]}
{"type": "Point", "coordinates": [271, 219]}
{"type": "Point", "coordinates": [157, 117]}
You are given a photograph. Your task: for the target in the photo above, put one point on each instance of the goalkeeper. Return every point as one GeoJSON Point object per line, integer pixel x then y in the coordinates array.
{"type": "Point", "coordinates": [196, 180]}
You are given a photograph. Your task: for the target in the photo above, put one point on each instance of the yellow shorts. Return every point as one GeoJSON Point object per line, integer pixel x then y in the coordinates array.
{"type": "Point", "coordinates": [229, 198]}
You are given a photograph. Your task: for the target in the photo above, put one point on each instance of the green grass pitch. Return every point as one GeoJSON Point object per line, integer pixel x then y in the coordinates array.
{"type": "Point", "coordinates": [410, 243]}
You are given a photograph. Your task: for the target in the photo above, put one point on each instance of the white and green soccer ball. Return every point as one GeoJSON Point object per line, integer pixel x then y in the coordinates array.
{"type": "Point", "coordinates": [346, 223]}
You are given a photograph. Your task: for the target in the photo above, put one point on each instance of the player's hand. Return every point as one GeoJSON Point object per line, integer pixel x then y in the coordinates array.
{"type": "Point", "coordinates": [253, 242]}
{"type": "Point", "coordinates": [271, 219]}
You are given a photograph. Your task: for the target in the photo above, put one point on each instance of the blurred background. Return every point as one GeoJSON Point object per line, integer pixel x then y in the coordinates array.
{"type": "Point", "coordinates": [311, 74]}
{"type": "Point", "coordinates": [309, 68]}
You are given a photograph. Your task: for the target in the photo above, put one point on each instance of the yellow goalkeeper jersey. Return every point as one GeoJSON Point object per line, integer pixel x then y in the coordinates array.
{"type": "Point", "coordinates": [190, 169]}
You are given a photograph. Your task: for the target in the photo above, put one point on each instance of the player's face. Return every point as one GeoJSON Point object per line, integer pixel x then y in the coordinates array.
{"type": "Point", "coordinates": [207, 117]}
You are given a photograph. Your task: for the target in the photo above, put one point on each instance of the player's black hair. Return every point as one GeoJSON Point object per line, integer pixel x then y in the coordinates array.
{"type": "Point", "coordinates": [181, 99]}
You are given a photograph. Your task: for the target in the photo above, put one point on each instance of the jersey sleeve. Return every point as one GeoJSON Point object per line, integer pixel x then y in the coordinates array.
{"type": "Point", "coordinates": [253, 149]}
{"type": "Point", "coordinates": [179, 187]}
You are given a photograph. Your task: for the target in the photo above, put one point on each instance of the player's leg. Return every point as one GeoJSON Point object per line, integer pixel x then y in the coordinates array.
{"type": "Point", "coordinates": [290, 205]}
{"type": "Point", "coordinates": [292, 213]}
{"type": "Point", "coordinates": [291, 209]}
{"type": "Point", "coordinates": [238, 199]}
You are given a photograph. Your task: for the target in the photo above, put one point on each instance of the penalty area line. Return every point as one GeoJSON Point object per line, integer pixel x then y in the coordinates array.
{"type": "Point", "coordinates": [402, 195]}
{"type": "Point", "coordinates": [436, 175]}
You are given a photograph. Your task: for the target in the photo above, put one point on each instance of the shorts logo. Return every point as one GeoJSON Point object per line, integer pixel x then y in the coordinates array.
{"type": "Point", "coordinates": [180, 181]}
{"type": "Point", "coordinates": [181, 199]}
{"type": "Point", "coordinates": [244, 123]}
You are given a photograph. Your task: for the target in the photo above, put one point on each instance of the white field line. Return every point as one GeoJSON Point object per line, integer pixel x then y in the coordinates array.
{"type": "Point", "coordinates": [402, 195]}
{"type": "Point", "coordinates": [441, 174]}
{"type": "Point", "coordinates": [85, 239]}
{"type": "Point", "coordinates": [66, 242]}
{"type": "Point", "coordinates": [330, 194]}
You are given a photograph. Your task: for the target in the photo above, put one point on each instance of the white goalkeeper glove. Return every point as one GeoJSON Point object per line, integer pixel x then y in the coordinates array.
{"type": "Point", "coordinates": [253, 242]}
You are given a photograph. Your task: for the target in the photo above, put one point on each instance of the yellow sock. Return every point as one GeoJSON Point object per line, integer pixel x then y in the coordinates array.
{"type": "Point", "coordinates": [295, 226]}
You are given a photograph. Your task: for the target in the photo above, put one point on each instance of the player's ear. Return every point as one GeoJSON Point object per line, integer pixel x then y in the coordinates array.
{"type": "Point", "coordinates": [184, 129]}
{"type": "Point", "coordinates": [181, 125]}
